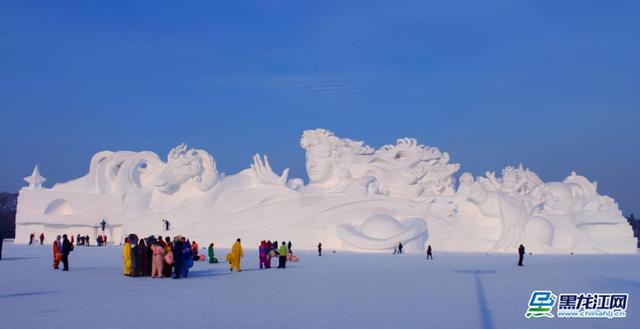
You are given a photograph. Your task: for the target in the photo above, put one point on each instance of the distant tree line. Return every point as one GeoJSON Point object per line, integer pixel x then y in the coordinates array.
{"type": "Point", "coordinates": [8, 207]}
{"type": "Point", "coordinates": [635, 225]}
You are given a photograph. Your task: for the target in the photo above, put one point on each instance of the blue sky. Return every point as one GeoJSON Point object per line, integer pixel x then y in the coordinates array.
{"type": "Point", "coordinates": [552, 84]}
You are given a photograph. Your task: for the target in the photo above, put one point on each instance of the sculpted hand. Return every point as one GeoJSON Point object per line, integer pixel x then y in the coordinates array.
{"type": "Point", "coordinates": [264, 173]}
{"type": "Point", "coordinates": [491, 176]}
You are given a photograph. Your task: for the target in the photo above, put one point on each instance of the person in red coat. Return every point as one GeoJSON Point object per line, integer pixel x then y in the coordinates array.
{"type": "Point", "coordinates": [57, 254]}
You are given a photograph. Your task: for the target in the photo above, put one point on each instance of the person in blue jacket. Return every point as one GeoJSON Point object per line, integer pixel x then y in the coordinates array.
{"type": "Point", "coordinates": [177, 257]}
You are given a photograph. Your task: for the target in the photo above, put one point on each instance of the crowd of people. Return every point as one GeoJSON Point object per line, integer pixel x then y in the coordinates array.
{"type": "Point", "coordinates": [269, 250]}
{"type": "Point", "coordinates": [160, 258]}
{"type": "Point", "coordinates": [82, 240]}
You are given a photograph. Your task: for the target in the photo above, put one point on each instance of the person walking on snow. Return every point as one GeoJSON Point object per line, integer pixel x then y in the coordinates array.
{"type": "Point", "coordinates": [429, 255]}
{"type": "Point", "coordinates": [236, 254]}
{"type": "Point", "coordinates": [521, 255]}
{"type": "Point", "coordinates": [319, 249]}
{"type": "Point", "coordinates": [41, 238]}
{"type": "Point", "coordinates": [400, 248]}
{"type": "Point", "coordinates": [283, 251]}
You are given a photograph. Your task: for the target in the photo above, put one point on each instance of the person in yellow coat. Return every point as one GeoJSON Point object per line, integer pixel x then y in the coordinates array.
{"type": "Point", "coordinates": [236, 254]}
{"type": "Point", "coordinates": [126, 257]}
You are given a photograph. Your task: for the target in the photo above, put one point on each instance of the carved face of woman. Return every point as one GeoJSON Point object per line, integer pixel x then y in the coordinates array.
{"type": "Point", "coordinates": [319, 164]}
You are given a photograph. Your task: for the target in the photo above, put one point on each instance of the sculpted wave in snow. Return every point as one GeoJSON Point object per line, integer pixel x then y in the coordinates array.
{"type": "Point", "coordinates": [358, 198]}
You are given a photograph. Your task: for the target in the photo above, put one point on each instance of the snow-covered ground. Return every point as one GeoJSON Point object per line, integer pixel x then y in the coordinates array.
{"type": "Point", "coordinates": [342, 290]}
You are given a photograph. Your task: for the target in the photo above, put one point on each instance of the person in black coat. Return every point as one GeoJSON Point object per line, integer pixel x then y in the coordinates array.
{"type": "Point", "coordinates": [177, 258]}
{"type": "Point", "coordinates": [429, 254]}
{"type": "Point", "coordinates": [142, 258]}
{"type": "Point", "coordinates": [67, 247]}
{"type": "Point", "coordinates": [133, 239]}
{"type": "Point", "coordinates": [319, 249]}
{"type": "Point", "coordinates": [521, 255]}
{"type": "Point", "coordinates": [149, 259]}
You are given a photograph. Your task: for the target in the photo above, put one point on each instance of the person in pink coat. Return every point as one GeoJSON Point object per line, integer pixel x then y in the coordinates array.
{"type": "Point", "coordinates": [157, 262]}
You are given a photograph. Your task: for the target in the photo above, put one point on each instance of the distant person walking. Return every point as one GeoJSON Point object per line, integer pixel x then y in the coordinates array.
{"type": "Point", "coordinates": [67, 247]}
{"type": "Point", "coordinates": [289, 246]}
{"type": "Point", "coordinates": [57, 252]}
{"type": "Point", "coordinates": [521, 255]}
{"type": "Point", "coordinates": [400, 248]}
{"type": "Point", "coordinates": [31, 237]}
{"type": "Point", "coordinates": [319, 249]}
{"type": "Point", "coordinates": [41, 238]}
{"type": "Point", "coordinates": [429, 254]}
{"type": "Point", "coordinates": [283, 251]}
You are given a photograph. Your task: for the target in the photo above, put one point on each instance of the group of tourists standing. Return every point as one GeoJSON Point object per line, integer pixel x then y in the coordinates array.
{"type": "Point", "coordinates": [268, 250]}
{"type": "Point", "coordinates": [158, 257]}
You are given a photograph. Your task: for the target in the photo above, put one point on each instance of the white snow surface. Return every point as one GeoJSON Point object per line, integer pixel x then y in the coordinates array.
{"type": "Point", "coordinates": [341, 290]}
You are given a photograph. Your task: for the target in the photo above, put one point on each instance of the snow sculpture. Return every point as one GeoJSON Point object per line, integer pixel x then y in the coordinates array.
{"type": "Point", "coordinates": [383, 232]}
{"type": "Point", "coordinates": [187, 168]}
{"type": "Point", "coordinates": [404, 169]}
{"type": "Point", "coordinates": [35, 180]}
{"type": "Point", "coordinates": [358, 198]}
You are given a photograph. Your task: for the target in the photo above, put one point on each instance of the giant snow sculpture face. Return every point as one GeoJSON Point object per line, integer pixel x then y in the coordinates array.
{"type": "Point", "coordinates": [320, 167]}
{"type": "Point", "coordinates": [186, 166]}
{"type": "Point", "coordinates": [322, 157]}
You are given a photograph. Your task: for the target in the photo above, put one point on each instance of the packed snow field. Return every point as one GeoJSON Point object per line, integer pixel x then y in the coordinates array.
{"type": "Point", "coordinates": [342, 290]}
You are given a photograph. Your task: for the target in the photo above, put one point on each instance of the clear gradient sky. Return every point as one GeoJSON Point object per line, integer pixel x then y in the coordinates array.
{"type": "Point", "coordinates": [552, 84]}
